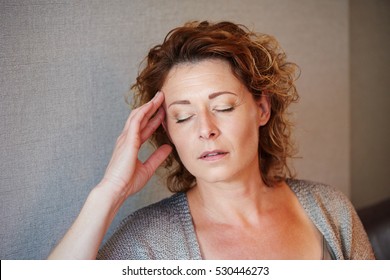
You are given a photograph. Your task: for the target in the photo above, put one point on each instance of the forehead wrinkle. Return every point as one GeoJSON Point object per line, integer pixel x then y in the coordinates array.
{"type": "Point", "coordinates": [180, 102]}
{"type": "Point", "coordinates": [218, 93]}
{"type": "Point", "coordinates": [181, 77]}
{"type": "Point", "coordinates": [211, 96]}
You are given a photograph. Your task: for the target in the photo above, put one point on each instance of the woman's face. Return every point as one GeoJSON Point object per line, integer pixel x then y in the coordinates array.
{"type": "Point", "coordinates": [213, 120]}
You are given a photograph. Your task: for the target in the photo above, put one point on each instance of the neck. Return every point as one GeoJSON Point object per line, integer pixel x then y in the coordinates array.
{"type": "Point", "coordinates": [236, 202]}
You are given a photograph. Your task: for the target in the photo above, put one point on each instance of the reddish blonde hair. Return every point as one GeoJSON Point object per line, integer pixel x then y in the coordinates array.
{"type": "Point", "coordinates": [256, 60]}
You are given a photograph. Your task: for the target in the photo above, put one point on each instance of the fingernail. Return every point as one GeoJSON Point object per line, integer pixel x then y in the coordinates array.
{"type": "Point", "coordinates": [157, 94]}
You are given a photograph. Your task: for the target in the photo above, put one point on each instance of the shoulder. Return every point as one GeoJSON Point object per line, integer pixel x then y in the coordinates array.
{"type": "Point", "coordinates": [145, 233]}
{"type": "Point", "coordinates": [317, 194]}
{"type": "Point", "coordinates": [334, 215]}
{"type": "Point", "coordinates": [323, 203]}
{"type": "Point", "coordinates": [156, 214]}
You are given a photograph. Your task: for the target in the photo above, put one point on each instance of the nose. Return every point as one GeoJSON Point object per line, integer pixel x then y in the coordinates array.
{"type": "Point", "coordinates": [208, 128]}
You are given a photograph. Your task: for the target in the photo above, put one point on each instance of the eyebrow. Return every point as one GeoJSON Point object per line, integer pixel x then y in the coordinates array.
{"type": "Point", "coordinates": [211, 96]}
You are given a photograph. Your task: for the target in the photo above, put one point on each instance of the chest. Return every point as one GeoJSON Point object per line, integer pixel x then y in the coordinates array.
{"type": "Point", "coordinates": [275, 238]}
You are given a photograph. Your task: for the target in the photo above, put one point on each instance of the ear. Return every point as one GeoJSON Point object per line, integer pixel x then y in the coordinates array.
{"type": "Point", "coordinates": [264, 109]}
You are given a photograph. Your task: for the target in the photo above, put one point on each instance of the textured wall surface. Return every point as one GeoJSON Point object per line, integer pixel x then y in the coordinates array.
{"type": "Point", "coordinates": [65, 67]}
{"type": "Point", "coordinates": [370, 101]}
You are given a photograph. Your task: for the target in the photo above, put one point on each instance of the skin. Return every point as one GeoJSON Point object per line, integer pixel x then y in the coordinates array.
{"type": "Point", "coordinates": [215, 112]}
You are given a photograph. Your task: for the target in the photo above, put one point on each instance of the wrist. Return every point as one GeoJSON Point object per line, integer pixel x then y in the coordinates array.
{"type": "Point", "coordinates": [107, 194]}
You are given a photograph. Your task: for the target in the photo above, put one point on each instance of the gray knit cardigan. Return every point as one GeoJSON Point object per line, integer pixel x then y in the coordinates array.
{"type": "Point", "coordinates": [165, 230]}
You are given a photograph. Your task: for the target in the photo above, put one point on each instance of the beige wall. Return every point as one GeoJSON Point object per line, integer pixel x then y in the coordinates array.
{"type": "Point", "coordinates": [370, 100]}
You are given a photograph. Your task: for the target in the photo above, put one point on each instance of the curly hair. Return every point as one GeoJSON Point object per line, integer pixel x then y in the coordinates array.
{"type": "Point", "coordinates": [255, 59]}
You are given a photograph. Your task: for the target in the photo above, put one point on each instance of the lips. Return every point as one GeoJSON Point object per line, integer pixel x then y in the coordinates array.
{"type": "Point", "coordinates": [212, 154]}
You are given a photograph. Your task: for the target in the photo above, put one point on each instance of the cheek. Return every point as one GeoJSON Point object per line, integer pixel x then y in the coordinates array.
{"type": "Point", "coordinates": [180, 142]}
{"type": "Point", "coordinates": [174, 133]}
{"type": "Point", "coordinates": [247, 134]}
{"type": "Point", "coordinates": [244, 132]}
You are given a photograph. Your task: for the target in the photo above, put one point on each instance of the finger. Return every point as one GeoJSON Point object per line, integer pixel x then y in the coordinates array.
{"type": "Point", "coordinates": [133, 133]}
{"type": "Point", "coordinates": [134, 112]}
{"type": "Point", "coordinates": [145, 112]}
{"type": "Point", "coordinates": [153, 124]}
{"type": "Point", "coordinates": [157, 102]}
{"type": "Point", "coordinates": [156, 159]}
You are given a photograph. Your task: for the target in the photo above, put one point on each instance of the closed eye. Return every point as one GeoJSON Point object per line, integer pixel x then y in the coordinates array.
{"type": "Point", "coordinates": [181, 120]}
{"type": "Point", "coordinates": [228, 109]}
{"type": "Point", "coordinates": [219, 110]}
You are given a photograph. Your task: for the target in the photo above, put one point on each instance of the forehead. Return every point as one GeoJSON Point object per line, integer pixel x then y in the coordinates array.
{"type": "Point", "coordinates": [203, 77]}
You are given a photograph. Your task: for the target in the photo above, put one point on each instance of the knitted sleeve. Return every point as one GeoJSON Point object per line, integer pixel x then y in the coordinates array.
{"type": "Point", "coordinates": [159, 231]}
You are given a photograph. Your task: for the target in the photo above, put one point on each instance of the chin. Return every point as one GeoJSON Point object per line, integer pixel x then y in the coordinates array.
{"type": "Point", "coordinates": [215, 176]}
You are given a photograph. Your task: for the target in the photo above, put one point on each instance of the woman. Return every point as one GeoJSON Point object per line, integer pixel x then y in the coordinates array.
{"type": "Point", "coordinates": [213, 97]}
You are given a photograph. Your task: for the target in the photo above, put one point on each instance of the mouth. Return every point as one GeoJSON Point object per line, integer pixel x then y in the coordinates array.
{"type": "Point", "coordinates": [211, 155]}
